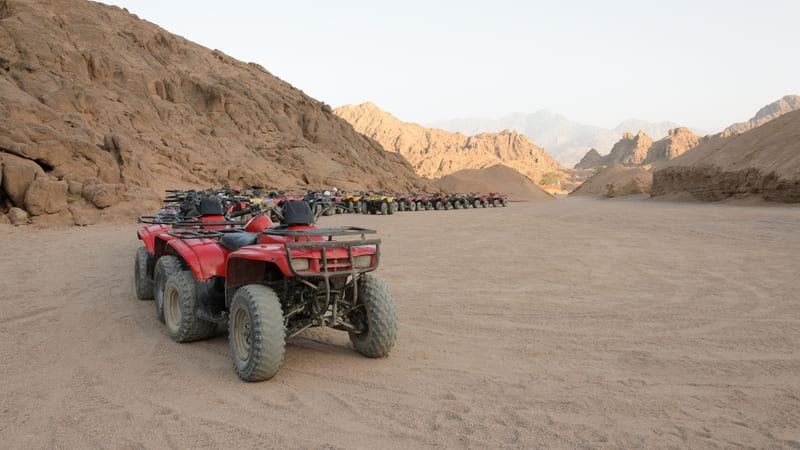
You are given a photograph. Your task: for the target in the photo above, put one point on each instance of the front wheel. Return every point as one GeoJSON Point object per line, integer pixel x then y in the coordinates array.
{"type": "Point", "coordinates": [496, 203]}
{"type": "Point", "coordinates": [180, 310]}
{"type": "Point", "coordinates": [384, 208]}
{"type": "Point", "coordinates": [374, 317]}
{"type": "Point", "coordinates": [256, 333]}
{"type": "Point", "coordinates": [142, 283]}
{"type": "Point", "coordinates": [166, 266]}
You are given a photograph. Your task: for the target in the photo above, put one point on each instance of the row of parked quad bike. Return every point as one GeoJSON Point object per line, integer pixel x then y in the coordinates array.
{"type": "Point", "coordinates": [268, 277]}
{"type": "Point", "coordinates": [181, 205]}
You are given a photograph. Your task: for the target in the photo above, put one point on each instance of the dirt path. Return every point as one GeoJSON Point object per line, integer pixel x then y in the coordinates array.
{"type": "Point", "coordinates": [559, 324]}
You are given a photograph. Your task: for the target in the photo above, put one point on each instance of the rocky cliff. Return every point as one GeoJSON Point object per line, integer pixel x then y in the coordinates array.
{"type": "Point", "coordinates": [775, 109]}
{"type": "Point", "coordinates": [100, 108]}
{"type": "Point", "coordinates": [640, 149]}
{"type": "Point", "coordinates": [763, 162]}
{"type": "Point", "coordinates": [435, 153]}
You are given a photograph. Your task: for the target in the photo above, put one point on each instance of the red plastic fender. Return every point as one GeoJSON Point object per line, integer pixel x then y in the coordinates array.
{"type": "Point", "coordinates": [148, 235]}
{"type": "Point", "coordinates": [205, 257]}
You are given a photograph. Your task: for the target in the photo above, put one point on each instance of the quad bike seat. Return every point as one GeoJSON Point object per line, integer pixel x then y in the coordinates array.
{"type": "Point", "coordinates": [211, 206]}
{"type": "Point", "coordinates": [235, 241]}
{"type": "Point", "coordinates": [297, 213]}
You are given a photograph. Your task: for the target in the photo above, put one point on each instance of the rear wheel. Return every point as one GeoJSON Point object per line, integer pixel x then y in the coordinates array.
{"type": "Point", "coordinates": [142, 283]}
{"type": "Point", "coordinates": [401, 206]}
{"type": "Point", "coordinates": [420, 206]}
{"type": "Point", "coordinates": [476, 203]}
{"type": "Point", "coordinates": [166, 266]}
{"type": "Point", "coordinates": [384, 208]}
{"type": "Point", "coordinates": [375, 317]}
{"type": "Point", "coordinates": [412, 206]}
{"type": "Point", "coordinates": [256, 333]}
{"type": "Point", "coordinates": [505, 202]}
{"type": "Point", "coordinates": [180, 309]}
{"type": "Point", "coordinates": [496, 203]}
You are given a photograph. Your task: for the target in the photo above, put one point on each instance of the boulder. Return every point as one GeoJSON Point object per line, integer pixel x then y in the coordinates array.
{"type": "Point", "coordinates": [18, 216]}
{"type": "Point", "coordinates": [101, 195]}
{"type": "Point", "coordinates": [18, 174]}
{"type": "Point", "coordinates": [74, 188]}
{"type": "Point", "coordinates": [46, 196]}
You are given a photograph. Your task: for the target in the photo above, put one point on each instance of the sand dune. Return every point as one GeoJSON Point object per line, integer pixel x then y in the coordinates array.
{"type": "Point", "coordinates": [541, 324]}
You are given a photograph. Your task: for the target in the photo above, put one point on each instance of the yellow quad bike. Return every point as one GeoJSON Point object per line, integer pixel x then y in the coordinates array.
{"type": "Point", "coordinates": [353, 202]}
{"type": "Point", "coordinates": [378, 202]}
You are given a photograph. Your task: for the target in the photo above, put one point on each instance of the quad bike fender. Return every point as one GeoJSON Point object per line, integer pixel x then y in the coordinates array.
{"type": "Point", "coordinates": [205, 257]}
{"type": "Point", "coordinates": [148, 235]}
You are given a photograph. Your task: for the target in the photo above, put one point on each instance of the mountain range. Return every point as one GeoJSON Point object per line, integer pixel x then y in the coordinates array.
{"type": "Point", "coordinates": [564, 139]}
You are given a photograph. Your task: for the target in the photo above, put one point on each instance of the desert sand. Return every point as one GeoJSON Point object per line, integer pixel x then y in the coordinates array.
{"type": "Point", "coordinates": [570, 323]}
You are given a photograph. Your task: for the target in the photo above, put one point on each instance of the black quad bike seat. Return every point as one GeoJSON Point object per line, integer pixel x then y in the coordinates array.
{"type": "Point", "coordinates": [235, 241]}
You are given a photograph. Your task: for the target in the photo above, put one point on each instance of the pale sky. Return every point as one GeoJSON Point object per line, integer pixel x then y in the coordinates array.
{"type": "Point", "coordinates": [702, 64]}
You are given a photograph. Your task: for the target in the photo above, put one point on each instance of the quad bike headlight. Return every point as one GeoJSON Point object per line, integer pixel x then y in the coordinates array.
{"type": "Point", "coordinates": [300, 264]}
{"type": "Point", "coordinates": [363, 261]}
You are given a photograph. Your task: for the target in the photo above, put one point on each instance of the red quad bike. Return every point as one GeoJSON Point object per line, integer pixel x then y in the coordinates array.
{"type": "Point", "coordinates": [498, 200]}
{"type": "Point", "coordinates": [205, 213]}
{"type": "Point", "coordinates": [479, 200]}
{"type": "Point", "coordinates": [271, 284]}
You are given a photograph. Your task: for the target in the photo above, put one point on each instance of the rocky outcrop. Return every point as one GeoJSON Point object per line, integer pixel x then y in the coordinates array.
{"type": "Point", "coordinates": [118, 109]}
{"type": "Point", "coordinates": [677, 142]}
{"type": "Point", "coordinates": [640, 150]}
{"type": "Point", "coordinates": [775, 109]}
{"type": "Point", "coordinates": [590, 160]}
{"type": "Point", "coordinates": [435, 153]}
{"type": "Point", "coordinates": [631, 150]}
{"type": "Point", "coordinates": [763, 162]}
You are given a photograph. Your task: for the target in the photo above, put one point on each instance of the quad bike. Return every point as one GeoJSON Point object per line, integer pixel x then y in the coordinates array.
{"type": "Point", "coordinates": [271, 282]}
{"type": "Point", "coordinates": [497, 200]}
{"type": "Point", "coordinates": [378, 202]}
{"type": "Point", "coordinates": [406, 202]}
{"type": "Point", "coordinates": [353, 202]}
{"type": "Point", "coordinates": [479, 200]}
{"type": "Point", "coordinates": [439, 201]}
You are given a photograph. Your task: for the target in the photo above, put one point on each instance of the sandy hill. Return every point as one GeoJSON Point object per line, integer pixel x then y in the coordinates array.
{"type": "Point", "coordinates": [617, 181]}
{"type": "Point", "coordinates": [101, 108]}
{"type": "Point", "coordinates": [435, 153]}
{"type": "Point", "coordinates": [499, 178]}
{"type": "Point", "coordinates": [775, 109]}
{"type": "Point", "coordinates": [763, 162]}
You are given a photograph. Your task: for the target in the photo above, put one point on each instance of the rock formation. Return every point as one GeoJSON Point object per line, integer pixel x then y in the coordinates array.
{"type": "Point", "coordinates": [98, 108]}
{"type": "Point", "coordinates": [435, 153]}
{"type": "Point", "coordinates": [775, 109]}
{"type": "Point", "coordinates": [639, 149]}
{"type": "Point", "coordinates": [677, 142]}
{"type": "Point", "coordinates": [763, 162]}
{"type": "Point", "coordinates": [590, 160]}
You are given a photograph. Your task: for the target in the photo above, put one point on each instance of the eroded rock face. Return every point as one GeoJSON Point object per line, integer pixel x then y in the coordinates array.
{"type": "Point", "coordinates": [90, 91]}
{"type": "Point", "coordinates": [762, 162]}
{"type": "Point", "coordinates": [435, 153]}
{"type": "Point", "coordinates": [46, 196]}
{"type": "Point", "coordinates": [774, 110]}
{"type": "Point", "coordinates": [18, 175]}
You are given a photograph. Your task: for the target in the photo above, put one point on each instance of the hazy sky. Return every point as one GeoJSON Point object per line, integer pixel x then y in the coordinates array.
{"type": "Point", "coordinates": [703, 64]}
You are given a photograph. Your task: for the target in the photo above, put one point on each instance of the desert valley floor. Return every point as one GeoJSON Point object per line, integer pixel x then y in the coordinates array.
{"type": "Point", "coordinates": [567, 323]}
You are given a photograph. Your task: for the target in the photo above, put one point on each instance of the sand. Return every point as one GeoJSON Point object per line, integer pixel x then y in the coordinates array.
{"type": "Point", "coordinates": [570, 323]}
